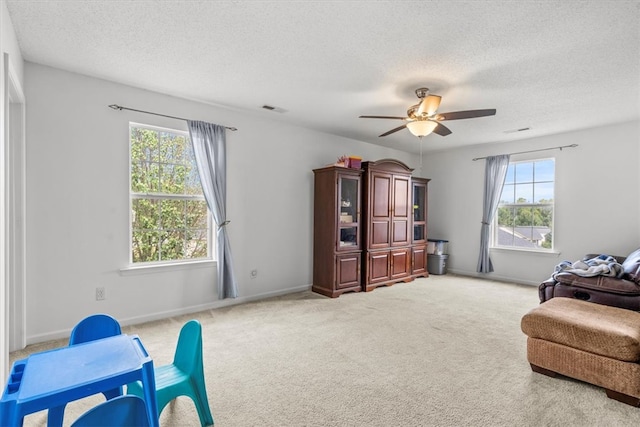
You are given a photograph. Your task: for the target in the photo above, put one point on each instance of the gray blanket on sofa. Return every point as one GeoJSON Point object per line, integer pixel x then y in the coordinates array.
{"type": "Point", "coordinates": [602, 265]}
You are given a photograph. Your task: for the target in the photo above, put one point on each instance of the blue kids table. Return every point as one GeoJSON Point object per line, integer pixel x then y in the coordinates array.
{"type": "Point", "coordinates": [53, 378]}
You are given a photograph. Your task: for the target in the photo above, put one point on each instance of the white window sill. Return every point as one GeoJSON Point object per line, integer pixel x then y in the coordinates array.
{"type": "Point", "coordinates": [163, 267]}
{"type": "Point", "coordinates": [553, 253]}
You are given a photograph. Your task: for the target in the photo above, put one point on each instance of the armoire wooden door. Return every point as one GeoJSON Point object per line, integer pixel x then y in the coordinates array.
{"type": "Point", "coordinates": [401, 211]}
{"type": "Point", "coordinates": [380, 211]}
{"type": "Point", "coordinates": [387, 220]}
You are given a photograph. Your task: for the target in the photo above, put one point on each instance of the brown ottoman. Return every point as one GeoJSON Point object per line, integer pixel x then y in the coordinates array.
{"type": "Point", "coordinates": [590, 342]}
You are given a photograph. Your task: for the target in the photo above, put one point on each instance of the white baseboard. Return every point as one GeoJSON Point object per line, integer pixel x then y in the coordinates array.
{"type": "Point", "coordinates": [33, 339]}
{"type": "Point", "coordinates": [493, 276]}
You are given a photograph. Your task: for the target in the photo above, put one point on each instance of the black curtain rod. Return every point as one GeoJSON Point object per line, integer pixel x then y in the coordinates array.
{"type": "Point", "coordinates": [534, 151]}
{"type": "Point", "coordinates": [119, 107]}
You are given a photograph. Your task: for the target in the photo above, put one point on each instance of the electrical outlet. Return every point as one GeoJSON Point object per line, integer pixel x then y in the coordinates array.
{"type": "Point", "coordinates": [254, 273]}
{"type": "Point", "coordinates": [100, 295]}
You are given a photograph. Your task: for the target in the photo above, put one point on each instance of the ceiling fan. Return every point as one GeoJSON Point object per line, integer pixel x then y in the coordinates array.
{"type": "Point", "coordinates": [422, 118]}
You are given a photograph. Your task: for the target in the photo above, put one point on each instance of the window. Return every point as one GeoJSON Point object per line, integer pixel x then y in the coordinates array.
{"type": "Point", "coordinates": [525, 214]}
{"type": "Point", "coordinates": [169, 216]}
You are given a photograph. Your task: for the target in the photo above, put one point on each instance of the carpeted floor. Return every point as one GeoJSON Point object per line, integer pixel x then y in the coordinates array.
{"type": "Point", "coordinates": [442, 351]}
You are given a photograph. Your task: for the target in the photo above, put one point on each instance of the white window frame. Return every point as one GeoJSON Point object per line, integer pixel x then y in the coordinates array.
{"type": "Point", "coordinates": [164, 196]}
{"type": "Point", "coordinates": [494, 226]}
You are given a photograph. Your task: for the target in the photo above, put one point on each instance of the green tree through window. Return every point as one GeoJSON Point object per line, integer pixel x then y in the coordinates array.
{"type": "Point", "coordinates": [525, 213]}
{"type": "Point", "coordinates": [169, 216]}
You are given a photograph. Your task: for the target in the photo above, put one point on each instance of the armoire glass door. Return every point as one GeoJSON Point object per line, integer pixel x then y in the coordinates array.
{"type": "Point", "coordinates": [349, 212]}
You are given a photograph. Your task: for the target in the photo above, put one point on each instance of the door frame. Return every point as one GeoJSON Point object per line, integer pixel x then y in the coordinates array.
{"type": "Point", "coordinates": [13, 221]}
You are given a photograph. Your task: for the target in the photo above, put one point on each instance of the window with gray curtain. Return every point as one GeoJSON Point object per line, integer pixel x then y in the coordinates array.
{"type": "Point", "coordinates": [169, 217]}
{"type": "Point", "coordinates": [209, 147]}
{"type": "Point", "coordinates": [525, 212]}
{"type": "Point", "coordinates": [494, 176]}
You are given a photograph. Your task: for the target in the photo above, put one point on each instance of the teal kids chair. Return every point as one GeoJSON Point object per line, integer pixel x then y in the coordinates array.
{"type": "Point", "coordinates": [183, 377]}
{"type": "Point", "coordinates": [122, 411]}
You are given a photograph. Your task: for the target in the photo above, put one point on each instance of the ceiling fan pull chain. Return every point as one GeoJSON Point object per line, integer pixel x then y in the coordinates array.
{"type": "Point", "coordinates": [420, 142]}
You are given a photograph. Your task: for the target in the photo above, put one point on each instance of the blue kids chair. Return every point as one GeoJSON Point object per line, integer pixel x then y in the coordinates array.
{"type": "Point", "coordinates": [121, 411]}
{"type": "Point", "coordinates": [183, 377]}
{"type": "Point", "coordinates": [94, 327]}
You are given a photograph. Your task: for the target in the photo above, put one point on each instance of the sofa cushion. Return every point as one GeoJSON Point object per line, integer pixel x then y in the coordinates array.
{"type": "Point", "coordinates": [612, 299]}
{"type": "Point", "coordinates": [600, 283]}
{"type": "Point", "coordinates": [631, 266]}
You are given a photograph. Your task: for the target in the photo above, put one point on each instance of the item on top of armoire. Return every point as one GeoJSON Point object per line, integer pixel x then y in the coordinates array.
{"type": "Point", "coordinates": [355, 162]}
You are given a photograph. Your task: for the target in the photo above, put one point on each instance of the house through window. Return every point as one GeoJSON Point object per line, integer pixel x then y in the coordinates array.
{"type": "Point", "coordinates": [524, 219]}
{"type": "Point", "coordinates": [169, 216]}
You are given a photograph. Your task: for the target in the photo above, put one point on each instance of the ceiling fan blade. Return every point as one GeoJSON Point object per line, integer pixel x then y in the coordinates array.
{"type": "Point", "coordinates": [383, 117]}
{"type": "Point", "coordinates": [393, 130]}
{"type": "Point", "coordinates": [442, 130]}
{"type": "Point", "coordinates": [429, 105]}
{"type": "Point", "coordinates": [469, 114]}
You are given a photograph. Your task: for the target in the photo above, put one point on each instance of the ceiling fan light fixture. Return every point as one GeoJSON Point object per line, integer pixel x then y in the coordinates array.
{"type": "Point", "coordinates": [422, 118]}
{"type": "Point", "coordinates": [421, 128]}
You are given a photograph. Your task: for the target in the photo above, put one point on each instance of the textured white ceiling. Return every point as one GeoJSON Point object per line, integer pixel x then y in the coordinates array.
{"type": "Point", "coordinates": [553, 66]}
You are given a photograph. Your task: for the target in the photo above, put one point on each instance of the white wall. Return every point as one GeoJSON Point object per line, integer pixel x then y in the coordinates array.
{"type": "Point", "coordinates": [77, 202]}
{"type": "Point", "coordinates": [78, 206]}
{"type": "Point", "coordinates": [597, 200]}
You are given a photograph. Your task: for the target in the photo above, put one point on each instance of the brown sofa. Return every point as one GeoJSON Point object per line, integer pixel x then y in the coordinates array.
{"type": "Point", "coordinates": [623, 292]}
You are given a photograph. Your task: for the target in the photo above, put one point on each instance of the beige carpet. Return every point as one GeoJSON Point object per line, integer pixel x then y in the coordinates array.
{"type": "Point", "coordinates": [442, 351]}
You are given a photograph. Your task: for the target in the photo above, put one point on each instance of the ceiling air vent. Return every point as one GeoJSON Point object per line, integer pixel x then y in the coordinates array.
{"type": "Point", "coordinates": [272, 108]}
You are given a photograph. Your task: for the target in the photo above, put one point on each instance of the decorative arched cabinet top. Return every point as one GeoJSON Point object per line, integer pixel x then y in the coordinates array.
{"type": "Point", "coordinates": [391, 165]}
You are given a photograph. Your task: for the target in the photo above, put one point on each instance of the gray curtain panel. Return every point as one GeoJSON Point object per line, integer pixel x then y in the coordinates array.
{"type": "Point", "coordinates": [494, 175]}
{"type": "Point", "coordinates": [209, 146]}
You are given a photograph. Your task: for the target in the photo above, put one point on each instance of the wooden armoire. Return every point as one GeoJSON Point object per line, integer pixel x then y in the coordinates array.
{"type": "Point", "coordinates": [337, 241]}
{"type": "Point", "coordinates": [370, 227]}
